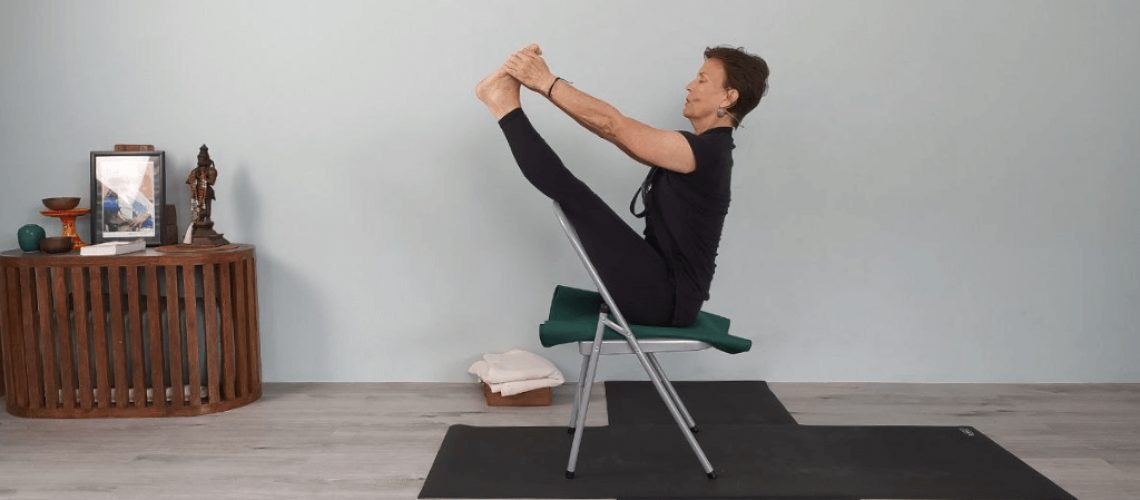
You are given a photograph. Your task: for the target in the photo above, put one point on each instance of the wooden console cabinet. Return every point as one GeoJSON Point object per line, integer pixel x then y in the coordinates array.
{"type": "Point", "coordinates": [147, 334]}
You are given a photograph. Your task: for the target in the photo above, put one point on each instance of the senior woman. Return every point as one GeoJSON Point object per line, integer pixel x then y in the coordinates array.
{"type": "Point", "coordinates": [663, 278]}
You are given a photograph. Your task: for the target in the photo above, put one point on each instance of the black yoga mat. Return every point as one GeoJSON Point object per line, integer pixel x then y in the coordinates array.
{"type": "Point", "coordinates": [752, 461]}
{"type": "Point", "coordinates": [709, 402]}
{"type": "Point", "coordinates": [727, 402]}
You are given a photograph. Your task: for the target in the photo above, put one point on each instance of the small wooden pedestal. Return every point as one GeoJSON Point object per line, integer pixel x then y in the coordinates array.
{"type": "Point", "coordinates": [537, 397]}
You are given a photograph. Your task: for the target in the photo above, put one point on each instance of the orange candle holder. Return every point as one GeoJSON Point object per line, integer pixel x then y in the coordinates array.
{"type": "Point", "coordinates": [67, 218]}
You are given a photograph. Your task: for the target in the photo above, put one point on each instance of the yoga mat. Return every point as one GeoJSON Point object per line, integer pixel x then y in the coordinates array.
{"type": "Point", "coordinates": [752, 461]}
{"type": "Point", "coordinates": [721, 402]}
{"type": "Point", "coordinates": [709, 402]}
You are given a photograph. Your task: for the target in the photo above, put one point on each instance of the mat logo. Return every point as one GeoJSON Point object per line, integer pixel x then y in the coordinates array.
{"type": "Point", "coordinates": [966, 431]}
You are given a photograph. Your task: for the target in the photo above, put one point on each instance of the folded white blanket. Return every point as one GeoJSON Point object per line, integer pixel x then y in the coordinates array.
{"type": "Point", "coordinates": [516, 371]}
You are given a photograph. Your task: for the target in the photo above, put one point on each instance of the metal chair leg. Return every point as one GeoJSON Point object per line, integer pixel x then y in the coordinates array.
{"type": "Point", "coordinates": [578, 394]}
{"type": "Point", "coordinates": [672, 408]}
{"type": "Point", "coordinates": [584, 401]}
{"type": "Point", "coordinates": [673, 392]}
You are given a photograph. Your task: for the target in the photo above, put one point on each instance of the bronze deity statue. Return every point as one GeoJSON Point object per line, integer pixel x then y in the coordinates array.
{"type": "Point", "coordinates": [201, 181]}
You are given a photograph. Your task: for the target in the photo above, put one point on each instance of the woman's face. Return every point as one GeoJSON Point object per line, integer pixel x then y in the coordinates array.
{"type": "Point", "coordinates": [706, 91]}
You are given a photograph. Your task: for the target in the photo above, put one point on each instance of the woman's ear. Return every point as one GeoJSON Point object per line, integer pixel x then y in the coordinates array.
{"type": "Point", "coordinates": [730, 99]}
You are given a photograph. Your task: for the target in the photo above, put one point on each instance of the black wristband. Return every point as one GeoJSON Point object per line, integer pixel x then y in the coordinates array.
{"type": "Point", "coordinates": [551, 89]}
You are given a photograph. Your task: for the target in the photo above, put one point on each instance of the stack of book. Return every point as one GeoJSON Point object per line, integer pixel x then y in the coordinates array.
{"type": "Point", "coordinates": [113, 248]}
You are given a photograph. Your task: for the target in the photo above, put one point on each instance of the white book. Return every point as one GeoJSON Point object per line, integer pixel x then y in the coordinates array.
{"type": "Point", "coordinates": [113, 248]}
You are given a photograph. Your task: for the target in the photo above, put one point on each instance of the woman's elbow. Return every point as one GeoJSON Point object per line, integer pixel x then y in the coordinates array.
{"type": "Point", "coordinates": [610, 129]}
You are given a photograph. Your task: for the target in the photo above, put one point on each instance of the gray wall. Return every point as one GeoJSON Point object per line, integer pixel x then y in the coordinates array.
{"type": "Point", "coordinates": [931, 191]}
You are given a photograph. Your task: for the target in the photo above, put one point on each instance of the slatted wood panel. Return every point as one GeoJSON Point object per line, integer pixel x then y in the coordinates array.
{"type": "Point", "coordinates": [210, 296]}
{"type": "Point", "coordinates": [44, 338]}
{"type": "Point", "coordinates": [154, 331]}
{"type": "Point", "coordinates": [118, 337]}
{"type": "Point", "coordinates": [145, 334]}
{"type": "Point", "coordinates": [227, 333]}
{"type": "Point", "coordinates": [7, 316]}
{"type": "Point", "coordinates": [101, 349]}
{"type": "Point", "coordinates": [134, 334]}
{"type": "Point", "coordinates": [5, 373]}
{"type": "Point", "coordinates": [62, 333]}
{"type": "Point", "coordinates": [242, 378]}
{"type": "Point", "coordinates": [174, 336]}
{"type": "Point", "coordinates": [28, 333]}
{"type": "Point", "coordinates": [83, 347]}
{"type": "Point", "coordinates": [254, 323]}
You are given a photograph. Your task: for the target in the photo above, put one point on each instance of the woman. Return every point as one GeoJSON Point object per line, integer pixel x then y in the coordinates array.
{"type": "Point", "coordinates": [663, 278]}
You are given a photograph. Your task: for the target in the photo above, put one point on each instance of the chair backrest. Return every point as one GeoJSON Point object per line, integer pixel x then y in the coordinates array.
{"type": "Point", "coordinates": [577, 244]}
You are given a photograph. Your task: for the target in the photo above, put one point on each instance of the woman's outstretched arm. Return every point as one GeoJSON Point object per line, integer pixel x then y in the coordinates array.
{"type": "Point", "coordinates": [648, 145]}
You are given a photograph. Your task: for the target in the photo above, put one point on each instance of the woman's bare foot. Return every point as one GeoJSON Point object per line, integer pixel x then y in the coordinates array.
{"type": "Point", "coordinates": [500, 92]}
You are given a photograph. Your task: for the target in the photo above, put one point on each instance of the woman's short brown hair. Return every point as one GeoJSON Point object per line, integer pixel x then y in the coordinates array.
{"type": "Point", "coordinates": [747, 73]}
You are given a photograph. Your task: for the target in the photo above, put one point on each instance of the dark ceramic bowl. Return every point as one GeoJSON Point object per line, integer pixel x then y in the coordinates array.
{"type": "Point", "coordinates": [57, 244]}
{"type": "Point", "coordinates": [61, 203]}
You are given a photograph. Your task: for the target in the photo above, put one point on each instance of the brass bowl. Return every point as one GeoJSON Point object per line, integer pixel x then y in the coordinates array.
{"type": "Point", "coordinates": [61, 202]}
{"type": "Point", "coordinates": [57, 244]}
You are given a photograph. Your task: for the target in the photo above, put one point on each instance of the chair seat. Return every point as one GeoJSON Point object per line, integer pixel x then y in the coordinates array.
{"type": "Point", "coordinates": [574, 318]}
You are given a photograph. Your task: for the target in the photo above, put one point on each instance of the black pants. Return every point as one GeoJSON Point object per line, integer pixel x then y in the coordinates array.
{"type": "Point", "coordinates": [632, 270]}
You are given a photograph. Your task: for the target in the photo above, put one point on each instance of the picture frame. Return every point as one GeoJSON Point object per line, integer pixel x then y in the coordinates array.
{"type": "Point", "coordinates": [128, 194]}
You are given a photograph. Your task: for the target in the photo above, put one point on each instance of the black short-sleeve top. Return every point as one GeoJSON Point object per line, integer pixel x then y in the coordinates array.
{"type": "Point", "coordinates": [684, 214]}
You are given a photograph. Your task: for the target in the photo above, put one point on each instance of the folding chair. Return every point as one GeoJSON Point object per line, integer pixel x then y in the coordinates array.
{"type": "Point", "coordinates": [571, 313]}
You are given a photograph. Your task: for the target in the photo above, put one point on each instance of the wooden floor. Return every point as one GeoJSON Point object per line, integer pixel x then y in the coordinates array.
{"type": "Point", "coordinates": [349, 441]}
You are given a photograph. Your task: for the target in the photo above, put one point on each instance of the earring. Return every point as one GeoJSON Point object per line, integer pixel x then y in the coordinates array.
{"type": "Point", "coordinates": [720, 112]}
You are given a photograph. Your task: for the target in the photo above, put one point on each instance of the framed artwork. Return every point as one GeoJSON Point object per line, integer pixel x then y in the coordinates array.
{"type": "Point", "coordinates": [128, 192]}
